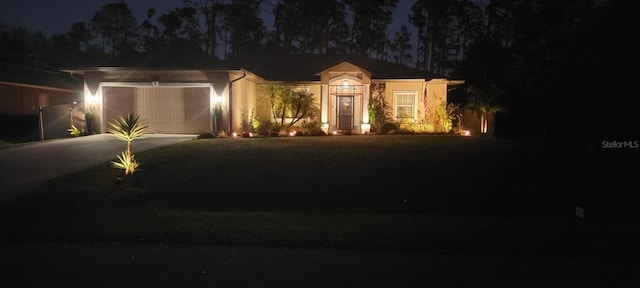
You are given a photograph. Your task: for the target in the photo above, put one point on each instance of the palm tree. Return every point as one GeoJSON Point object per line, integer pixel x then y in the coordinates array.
{"type": "Point", "coordinates": [287, 103]}
{"type": "Point", "coordinates": [484, 104]}
{"type": "Point", "coordinates": [127, 128]}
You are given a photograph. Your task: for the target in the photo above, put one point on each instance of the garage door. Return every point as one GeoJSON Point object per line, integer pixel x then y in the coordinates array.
{"type": "Point", "coordinates": [166, 110]}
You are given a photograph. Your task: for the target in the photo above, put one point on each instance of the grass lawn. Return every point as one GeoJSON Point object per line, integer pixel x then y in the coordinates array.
{"type": "Point", "coordinates": [5, 144]}
{"type": "Point", "coordinates": [439, 193]}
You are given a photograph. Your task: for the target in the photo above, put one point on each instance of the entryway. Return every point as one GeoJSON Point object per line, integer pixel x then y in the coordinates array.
{"type": "Point", "coordinates": [345, 113]}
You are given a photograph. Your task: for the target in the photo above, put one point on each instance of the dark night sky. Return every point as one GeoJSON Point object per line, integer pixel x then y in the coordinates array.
{"type": "Point", "coordinates": [57, 16]}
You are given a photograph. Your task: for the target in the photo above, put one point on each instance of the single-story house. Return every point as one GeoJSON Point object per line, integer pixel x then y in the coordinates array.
{"type": "Point", "coordinates": [178, 95]}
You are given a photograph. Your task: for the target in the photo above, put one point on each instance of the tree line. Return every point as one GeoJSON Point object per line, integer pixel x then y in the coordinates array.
{"type": "Point", "coordinates": [546, 62]}
{"type": "Point", "coordinates": [229, 29]}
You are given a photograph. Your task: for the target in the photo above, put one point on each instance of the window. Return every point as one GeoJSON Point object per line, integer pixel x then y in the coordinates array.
{"type": "Point", "coordinates": [404, 104]}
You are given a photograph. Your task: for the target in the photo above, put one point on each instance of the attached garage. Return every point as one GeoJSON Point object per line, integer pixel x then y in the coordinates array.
{"type": "Point", "coordinates": [179, 110]}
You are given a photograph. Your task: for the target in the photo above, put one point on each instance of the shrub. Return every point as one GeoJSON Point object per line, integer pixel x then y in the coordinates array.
{"type": "Point", "coordinates": [445, 114]}
{"type": "Point", "coordinates": [312, 128]}
{"type": "Point", "coordinates": [379, 111]}
{"type": "Point", "coordinates": [206, 135]}
{"type": "Point", "coordinates": [248, 122]}
{"type": "Point", "coordinates": [388, 128]}
{"type": "Point", "coordinates": [263, 127]}
{"type": "Point", "coordinates": [420, 127]}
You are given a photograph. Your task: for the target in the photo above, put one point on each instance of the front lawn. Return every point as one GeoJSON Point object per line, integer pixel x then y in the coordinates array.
{"type": "Point", "coordinates": [396, 192]}
{"type": "Point", "coordinates": [5, 144]}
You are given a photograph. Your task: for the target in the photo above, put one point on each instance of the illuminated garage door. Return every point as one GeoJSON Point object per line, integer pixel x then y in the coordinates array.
{"type": "Point", "coordinates": [166, 110]}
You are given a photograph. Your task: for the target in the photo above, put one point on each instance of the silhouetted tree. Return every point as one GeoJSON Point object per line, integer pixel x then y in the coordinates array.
{"type": "Point", "coordinates": [369, 25]}
{"type": "Point", "coordinates": [151, 37]}
{"type": "Point", "coordinates": [310, 26]}
{"type": "Point", "coordinates": [117, 27]}
{"type": "Point", "coordinates": [180, 25]}
{"type": "Point", "coordinates": [210, 12]}
{"type": "Point", "coordinates": [244, 29]}
{"type": "Point", "coordinates": [401, 46]}
{"type": "Point", "coordinates": [81, 36]}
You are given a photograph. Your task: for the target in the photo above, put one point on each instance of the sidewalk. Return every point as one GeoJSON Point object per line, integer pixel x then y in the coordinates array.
{"type": "Point", "coordinates": [172, 265]}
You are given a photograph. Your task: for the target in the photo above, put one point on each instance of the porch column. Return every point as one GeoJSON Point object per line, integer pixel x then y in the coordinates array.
{"type": "Point", "coordinates": [93, 105]}
{"type": "Point", "coordinates": [365, 127]}
{"type": "Point", "coordinates": [324, 108]}
{"type": "Point", "coordinates": [94, 99]}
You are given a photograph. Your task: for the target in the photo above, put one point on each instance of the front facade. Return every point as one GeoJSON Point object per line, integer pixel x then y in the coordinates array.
{"type": "Point", "coordinates": [182, 100]}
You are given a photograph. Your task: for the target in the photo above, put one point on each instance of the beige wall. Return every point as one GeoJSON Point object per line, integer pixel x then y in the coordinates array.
{"type": "Point", "coordinates": [436, 91]}
{"type": "Point", "coordinates": [436, 94]}
{"type": "Point", "coordinates": [405, 86]}
{"type": "Point", "coordinates": [245, 95]}
{"type": "Point", "coordinates": [15, 99]}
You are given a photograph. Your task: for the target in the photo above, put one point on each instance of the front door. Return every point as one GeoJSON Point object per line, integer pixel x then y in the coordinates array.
{"type": "Point", "coordinates": [345, 113]}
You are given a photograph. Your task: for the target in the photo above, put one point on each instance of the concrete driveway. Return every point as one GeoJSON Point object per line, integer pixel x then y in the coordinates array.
{"type": "Point", "coordinates": [25, 166]}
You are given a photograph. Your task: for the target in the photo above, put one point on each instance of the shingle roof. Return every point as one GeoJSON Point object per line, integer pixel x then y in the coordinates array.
{"type": "Point", "coordinates": [270, 66]}
{"type": "Point", "coordinates": [38, 77]}
{"type": "Point", "coordinates": [306, 67]}
{"type": "Point", "coordinates": [175, 56]}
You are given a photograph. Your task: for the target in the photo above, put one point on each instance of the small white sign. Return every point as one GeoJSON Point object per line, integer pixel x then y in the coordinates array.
{"type": "Point", "coordinates": [579, 213]}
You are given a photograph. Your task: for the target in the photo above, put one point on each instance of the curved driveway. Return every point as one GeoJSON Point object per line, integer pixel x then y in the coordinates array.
{"type": "Point", "coordinates": [25, 166]}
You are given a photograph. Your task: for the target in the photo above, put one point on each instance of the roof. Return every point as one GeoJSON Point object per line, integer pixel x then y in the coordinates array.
{"type": "Point", "coordinates": [306, 67]}
{"type": "Point", "coordinates": [38, 77]}
{"type": "Point", "coordinates": [270, 66]}
{"type": "Point", "coordinates": [177, 56]}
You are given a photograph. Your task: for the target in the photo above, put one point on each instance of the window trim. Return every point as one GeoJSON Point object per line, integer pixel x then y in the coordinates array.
{"type": "Point", "coordinates": [395, 103]}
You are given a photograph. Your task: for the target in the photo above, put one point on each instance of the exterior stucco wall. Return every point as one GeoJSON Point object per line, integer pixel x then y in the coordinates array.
{"type": "Point", "coordinates": [316, 91]}
{"type": "Point", "coordinates": [405, 86]}
{"type": "Point", "coordinates": [245, 102]}
{"type": "Point", "coordinates": [436, 94]}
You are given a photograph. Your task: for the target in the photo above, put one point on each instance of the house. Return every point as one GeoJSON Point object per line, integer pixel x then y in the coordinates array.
{"type": "Point", "coordinates": [175, 92]}
{"type": "Point", "coordinates": [27, 93]}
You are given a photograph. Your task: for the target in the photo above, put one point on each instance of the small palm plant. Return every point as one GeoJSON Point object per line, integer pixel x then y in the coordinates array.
{"type": "Point", "coordinates": [74, 131]}
{"type": "Point", "coordinates": [127, 162]}
{"type": "Point", "coordinates": [127, 128]}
